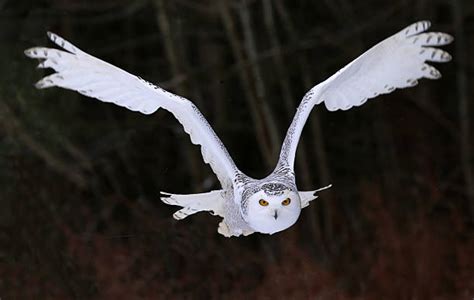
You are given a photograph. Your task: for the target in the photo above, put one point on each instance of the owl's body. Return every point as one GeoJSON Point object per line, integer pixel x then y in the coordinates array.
{"type": "Point", "coordinates": [233, 204]}
{"type": "Point", "coordinates": [249, 205]}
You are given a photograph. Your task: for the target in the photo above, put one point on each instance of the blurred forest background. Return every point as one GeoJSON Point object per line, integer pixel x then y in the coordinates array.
{"type": "Point", "coordinates": [80, 216]}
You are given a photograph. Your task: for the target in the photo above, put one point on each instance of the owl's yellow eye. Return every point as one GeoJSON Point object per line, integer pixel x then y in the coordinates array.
{"type": "Point", "coordinates": [262, 202]}
{"type": "Point", "coordinates": [286, 202]}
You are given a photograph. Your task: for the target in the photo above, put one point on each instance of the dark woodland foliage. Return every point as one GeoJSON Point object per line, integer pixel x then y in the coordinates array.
{"type": "Point", "coordinates": [80, 215]}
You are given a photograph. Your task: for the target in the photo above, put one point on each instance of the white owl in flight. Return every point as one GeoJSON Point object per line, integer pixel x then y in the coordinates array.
{"type": "Point", "coordinates": [249, 205]}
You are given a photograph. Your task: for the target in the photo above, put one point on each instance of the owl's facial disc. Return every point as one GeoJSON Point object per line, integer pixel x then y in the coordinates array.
{"type": "Point", "coordinates": [270, 213]}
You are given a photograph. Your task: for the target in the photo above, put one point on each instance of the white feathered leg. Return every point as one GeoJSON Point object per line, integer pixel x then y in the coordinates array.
{"type": "Point", "coordinates": [193, 203]}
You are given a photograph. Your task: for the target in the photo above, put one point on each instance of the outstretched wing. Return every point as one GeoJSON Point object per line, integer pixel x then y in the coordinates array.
{"type": "Point", "coordinates": [92, 77]}
{"type": "Point", "coordinates": [396, 62]}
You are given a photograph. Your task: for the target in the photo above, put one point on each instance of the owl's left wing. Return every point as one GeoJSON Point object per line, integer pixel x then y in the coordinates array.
{"type": "Point", "coordinates": [76, 70]}
{"type": "Point", "coordinates": [396, 62]}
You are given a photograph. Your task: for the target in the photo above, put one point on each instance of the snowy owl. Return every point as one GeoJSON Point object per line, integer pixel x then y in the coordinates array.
{"type": "Point", "coordinates": [249, 205]}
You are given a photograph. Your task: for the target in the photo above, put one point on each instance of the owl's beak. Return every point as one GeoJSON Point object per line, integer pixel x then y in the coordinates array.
{"type": "Point", "coordinates": [275, 214]}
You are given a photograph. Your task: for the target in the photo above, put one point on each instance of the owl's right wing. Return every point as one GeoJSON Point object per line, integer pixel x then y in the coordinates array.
{"type": "Point", "coordinates": [396, 62]}
{"type": "Point", "coordinates": [92, 77]}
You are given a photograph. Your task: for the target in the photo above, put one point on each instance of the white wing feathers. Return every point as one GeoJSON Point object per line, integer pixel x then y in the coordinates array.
{"type": "Point", "coordinates": [396, 62]}
{"type": "Point", "coordinates": [90, 76]}
{"type": "Point", "coordinates": [211, 201]}
{"type": "Point", "coordinates": [308, 196]}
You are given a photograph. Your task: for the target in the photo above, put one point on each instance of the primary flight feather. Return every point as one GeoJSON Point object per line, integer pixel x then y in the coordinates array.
{"type": "Point", "coordinates": [249, 205]}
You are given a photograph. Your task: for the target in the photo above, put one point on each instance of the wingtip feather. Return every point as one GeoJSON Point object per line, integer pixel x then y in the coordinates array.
{"type": "Point", "coordinates": [416, 28]}
{"type": "Point", "coordinates": [41, 85]}
{"type": "Point", "coordinates": [449, 38]}
{"type": "Point", "coordinates": [425, 23]}
{"type": "Point", "coordinates": [30, 52]}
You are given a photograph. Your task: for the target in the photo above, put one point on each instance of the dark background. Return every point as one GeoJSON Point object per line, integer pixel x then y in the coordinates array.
{"type": "Point", "coordinates": [80, 216]}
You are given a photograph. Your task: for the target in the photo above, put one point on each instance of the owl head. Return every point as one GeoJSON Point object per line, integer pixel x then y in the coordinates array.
{"type": "Point", "coordinates": [273, 208]}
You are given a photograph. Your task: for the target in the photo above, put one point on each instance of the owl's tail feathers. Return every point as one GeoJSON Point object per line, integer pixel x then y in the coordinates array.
{"type": "Point", "coordinates": [309, 196]}
{"type": "Point", "coordinates": [211, 201]}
